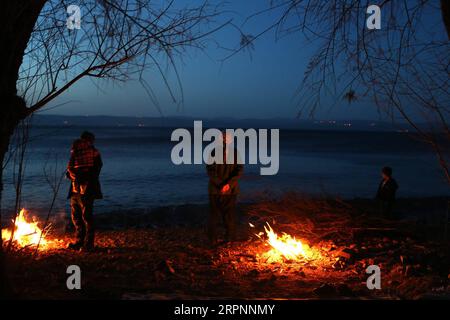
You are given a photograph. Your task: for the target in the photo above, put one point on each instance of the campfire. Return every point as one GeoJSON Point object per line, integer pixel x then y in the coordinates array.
{"type": "Point", "coordinates": [27, 233]}
{"type": "Point", "coordinates": [285, 247]}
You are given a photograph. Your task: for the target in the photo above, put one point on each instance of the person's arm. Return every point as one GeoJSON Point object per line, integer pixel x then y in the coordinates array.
{"type": "Point", "coordinates": [211, 170]}
{"type": "Point", "coordinates": [235, 174]}
{"type": "Point", "coordinates": [70, 166]}
{"type": "Point", "coordinates": [378, 195]}
{"type": "Point", "coordinates": [212, 173]}
{"type": "Point", "coordinates": [237, 171]}
{"type": "Point", "coordinates": [98, 164]}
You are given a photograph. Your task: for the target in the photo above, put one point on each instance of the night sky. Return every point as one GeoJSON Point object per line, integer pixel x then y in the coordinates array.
{"type": "Point", "coordinates": [260, 84]}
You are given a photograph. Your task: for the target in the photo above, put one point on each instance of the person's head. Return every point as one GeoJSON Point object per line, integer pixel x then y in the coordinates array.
{"type": "Point", "coordinates": [386, 173]}
{"type": "Point", "coordinates": [227, 138]}
{"type": "Point", "coordinates": [88, 136]}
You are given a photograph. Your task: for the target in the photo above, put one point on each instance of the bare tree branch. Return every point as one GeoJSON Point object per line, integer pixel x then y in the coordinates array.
{"type": "Point", "coordinates": [403, 68]}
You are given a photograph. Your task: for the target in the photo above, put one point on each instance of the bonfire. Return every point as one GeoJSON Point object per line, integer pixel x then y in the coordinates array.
{"type": "Point", "coordinates": [285, 247]}
{"type": "Point", "coordinates": [27, 233]}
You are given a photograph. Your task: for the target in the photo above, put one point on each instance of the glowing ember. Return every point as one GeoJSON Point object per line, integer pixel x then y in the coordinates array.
{"type": "Point", "coordinates": [26, 233]}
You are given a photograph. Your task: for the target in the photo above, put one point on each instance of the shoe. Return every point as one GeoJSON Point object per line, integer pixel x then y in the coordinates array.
{"type": "Point", "coordinates": [87, 248]}
{"type": "Point", "coordinates": [74, 246]}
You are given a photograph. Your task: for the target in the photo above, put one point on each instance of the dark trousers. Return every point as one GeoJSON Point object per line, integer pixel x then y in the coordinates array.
{"type": "Point", "coordinates": [83, 219]}
{"type": "Point", "coordinates": [386, 207]}
{"type": "Point", "coordinates": [222, 207]}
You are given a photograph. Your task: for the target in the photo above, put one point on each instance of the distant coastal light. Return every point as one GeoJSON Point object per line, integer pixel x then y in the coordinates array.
{"type": "Point", "coordinates": [325, 122]}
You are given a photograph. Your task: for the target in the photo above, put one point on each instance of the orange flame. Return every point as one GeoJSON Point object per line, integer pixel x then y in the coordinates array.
{"type": "Point", "coordinates": [26, 233]}
{"type": "Point", "coordinates": [285, 247]}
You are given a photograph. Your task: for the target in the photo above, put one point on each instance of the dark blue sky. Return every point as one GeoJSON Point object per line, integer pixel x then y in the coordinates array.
{"type": "Point", "coordinates": [258, 86]}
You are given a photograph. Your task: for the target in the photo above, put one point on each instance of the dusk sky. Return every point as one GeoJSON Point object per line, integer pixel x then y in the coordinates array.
{"type": "Point", "coordinates": [257, 85]}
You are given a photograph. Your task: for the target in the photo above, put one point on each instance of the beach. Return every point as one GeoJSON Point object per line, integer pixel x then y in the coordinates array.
{"type": "Point", "coordinates": [163, 254]}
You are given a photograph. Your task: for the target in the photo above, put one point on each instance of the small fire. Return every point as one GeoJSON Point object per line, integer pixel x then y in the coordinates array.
{"type": "Point", "coordinates": [284, 247]}
{"type": "Point", "coordinates": [26, 233]}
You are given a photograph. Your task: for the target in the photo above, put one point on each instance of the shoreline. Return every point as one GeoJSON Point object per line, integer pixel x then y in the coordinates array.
{"type": "Point", "coordinates": [429, 210]}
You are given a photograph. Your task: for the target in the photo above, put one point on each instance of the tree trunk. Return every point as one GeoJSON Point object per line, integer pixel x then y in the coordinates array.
{"type": "Point", "coordinates": [445, 8]}
{"type": "Point", "coordinates": [18, 19]}
{"type": "Point", "coordinates": [3, 283]}
{"type": "Point", "coordinates": [7, 126]}
{"type": "Point", "coordinates": [4, 287]}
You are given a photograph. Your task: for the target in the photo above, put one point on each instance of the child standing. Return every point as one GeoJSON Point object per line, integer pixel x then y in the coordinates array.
{"type": "Point", "coordinates": [386, 192]}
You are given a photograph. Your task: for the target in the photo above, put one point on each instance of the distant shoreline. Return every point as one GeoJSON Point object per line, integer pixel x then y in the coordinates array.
{"type": "Point", "coordinates": [187, 122]}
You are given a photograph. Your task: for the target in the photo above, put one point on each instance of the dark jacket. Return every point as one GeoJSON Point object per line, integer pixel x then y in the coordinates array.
{"type": "Point", "coordinates": [85, 176]}
{"type": "Point", "coordinates": [387, 189]}
{"type": "Point", "coordinates": [222, 174]}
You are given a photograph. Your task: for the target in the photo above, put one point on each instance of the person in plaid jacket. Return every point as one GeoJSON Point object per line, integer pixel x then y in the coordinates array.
{"type": "Point", "coordinates": [83, 170]}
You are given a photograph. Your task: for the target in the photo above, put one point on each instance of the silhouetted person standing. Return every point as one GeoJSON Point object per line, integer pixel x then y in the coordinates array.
{"type": "Point", "coordinates": [83, 170]}
{"type": "Point", "coordinates": [386, 192]}
{"type": "Point", "coordinates": [223, 191]}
